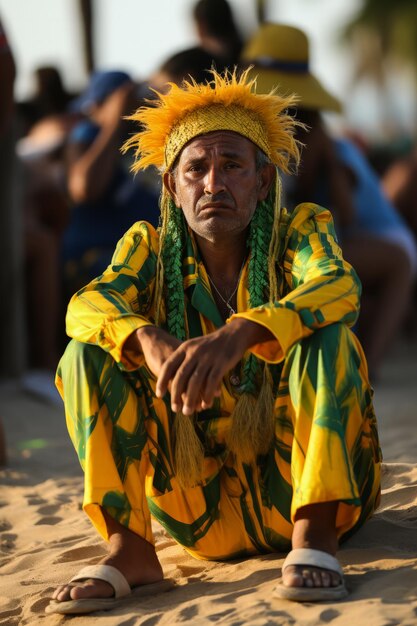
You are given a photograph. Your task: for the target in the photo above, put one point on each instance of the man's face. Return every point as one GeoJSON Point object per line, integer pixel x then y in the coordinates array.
{"type": "Point", "coordinates": [217, 185]}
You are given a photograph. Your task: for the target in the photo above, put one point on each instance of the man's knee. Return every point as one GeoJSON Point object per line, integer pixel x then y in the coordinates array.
{"type": "Point", "coordinates": [79, 355]}
{"type": "Point", "coordinates": [328, 336]}
{"type": "Point", "coordinates": [334, 347]}
{"type": "Point", "coordinates": [326, 340]}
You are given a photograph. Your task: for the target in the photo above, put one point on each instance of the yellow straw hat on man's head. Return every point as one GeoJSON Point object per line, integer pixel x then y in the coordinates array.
{"type": "Point", "coordinates": [227, 102]}
{"type": "Point", "coordinates": [279, 55]}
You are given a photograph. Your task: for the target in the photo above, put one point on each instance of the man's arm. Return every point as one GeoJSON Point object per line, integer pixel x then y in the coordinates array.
{"type": "Point", "coordinates": [109, 309]}
{"type": "Point", "coordinates": [322, 287]}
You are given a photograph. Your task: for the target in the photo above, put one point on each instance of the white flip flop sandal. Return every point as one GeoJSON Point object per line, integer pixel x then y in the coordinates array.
{"type": "Point", "coordinates": [314, 558]}
{"type": "Point", "coordinates": [115, 578]}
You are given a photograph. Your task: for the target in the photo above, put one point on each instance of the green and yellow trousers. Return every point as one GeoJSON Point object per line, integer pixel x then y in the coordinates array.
{"type": "Point", "coordinates": [326, 448]}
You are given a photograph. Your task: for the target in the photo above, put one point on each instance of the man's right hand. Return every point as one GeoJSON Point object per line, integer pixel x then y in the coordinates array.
{"type": "Point", "coordinates": [155, 344]}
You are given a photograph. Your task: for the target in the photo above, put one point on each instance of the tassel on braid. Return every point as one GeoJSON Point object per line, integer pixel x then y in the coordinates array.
{"type": "Point", "coordinates": [253, 420]}
{"type": "Point", "coordinates": [275, 244]}
{"type": "Point", "coordinates": [159, 280]}
{"type": "Point", "coordinates": [188, 451]}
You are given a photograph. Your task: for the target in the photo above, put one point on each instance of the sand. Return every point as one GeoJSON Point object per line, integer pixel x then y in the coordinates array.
{"type": "Point", "coordinates": [45, 538]}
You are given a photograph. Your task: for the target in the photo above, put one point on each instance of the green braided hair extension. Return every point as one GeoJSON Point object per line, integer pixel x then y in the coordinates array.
{"type": "Point", "coordinates": [169, 275]}
{"type": "Point", "coordinates": [258, 279]}
{"type": "Point", "coordinates": [259, 243]}
{"type": "Point", "coordinates": [188, 449]}
{"type": "Point", "coordinates": [253, 422]}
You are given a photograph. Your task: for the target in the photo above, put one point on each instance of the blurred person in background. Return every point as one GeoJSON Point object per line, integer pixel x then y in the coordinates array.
{"type": "Point", "coordinates": [193, 63]}
{"type": "Point", "coordinates": [105, 199]}
{"type": "Point", "coordinates": [333, 173]}
{"type": "Point", "coordinates": [50, 98]}
{"type": "Point", "coordinates": [45, 215]}
{"type": "Point", "coordinates": [217, 30]}
{"type": "Point", "coordinates": [41, 152]}
{"type": "Point", "coordinates": [379, 230]}
{"type": "Point", "coordinates": [400, 185]}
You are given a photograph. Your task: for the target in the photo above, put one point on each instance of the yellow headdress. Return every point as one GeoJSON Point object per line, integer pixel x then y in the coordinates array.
{"type": "Point", "coordinates": [227, 102]}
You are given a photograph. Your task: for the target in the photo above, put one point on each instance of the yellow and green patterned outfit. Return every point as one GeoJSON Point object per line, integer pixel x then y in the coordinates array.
{"type": "Point", "coordinates": [326, 443]}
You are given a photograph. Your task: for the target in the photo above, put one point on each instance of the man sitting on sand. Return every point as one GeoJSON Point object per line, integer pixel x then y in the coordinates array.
{"type": "Point", "coordinates": [213, 381]}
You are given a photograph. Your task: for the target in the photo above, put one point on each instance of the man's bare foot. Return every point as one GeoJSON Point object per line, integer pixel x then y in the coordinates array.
{"type": "Point", "coordinates": [132, 555]}
{"type": "Point", "coordinates": [315, 527]}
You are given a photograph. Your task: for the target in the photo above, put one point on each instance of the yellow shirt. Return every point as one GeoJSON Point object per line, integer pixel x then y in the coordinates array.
{"type": "Point", "coordinates": [318, 288]}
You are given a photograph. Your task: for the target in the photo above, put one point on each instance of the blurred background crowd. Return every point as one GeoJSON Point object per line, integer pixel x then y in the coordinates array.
{"type": "Point", "coordinates": [66, 193]}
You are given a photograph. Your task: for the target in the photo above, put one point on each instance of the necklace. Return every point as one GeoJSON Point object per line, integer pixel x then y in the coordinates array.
{"type": "Point", "coordinates": [227, 302]}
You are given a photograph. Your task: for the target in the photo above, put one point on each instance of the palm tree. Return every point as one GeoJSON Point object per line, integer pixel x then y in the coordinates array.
{"type": "Point", "coordinates": [383, 38]}
{"type": "Point", "coordinates": [392, 23]}
{"type": "Point", "coordinates": [260, 10]}
{"type": "Point", "coordinates": [87, 26]}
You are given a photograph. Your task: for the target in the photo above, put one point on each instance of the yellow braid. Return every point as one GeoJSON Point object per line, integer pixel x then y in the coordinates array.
{"type": "Point", "coordinates": [275, 243]}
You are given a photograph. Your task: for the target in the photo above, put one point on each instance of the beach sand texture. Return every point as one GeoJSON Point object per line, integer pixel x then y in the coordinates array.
{"type": "Point", "coordinates": [45, 538]}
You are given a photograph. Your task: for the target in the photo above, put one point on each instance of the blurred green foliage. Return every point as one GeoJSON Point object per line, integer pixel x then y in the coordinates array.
{"type": "Point", "coordinates": [394, 21]}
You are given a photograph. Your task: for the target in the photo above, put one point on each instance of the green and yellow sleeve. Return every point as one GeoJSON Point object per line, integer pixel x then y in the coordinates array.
{"type": "Point", "coordinates": [322, 288]}
{"type": "Point", "coordinates": [120, 301]}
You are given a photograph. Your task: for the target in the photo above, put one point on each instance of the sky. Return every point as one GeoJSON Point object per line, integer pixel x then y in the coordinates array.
{"type": "Point", "coordinates": [137, 35]}
{"type": "Point", "coordinates": [146, 32]}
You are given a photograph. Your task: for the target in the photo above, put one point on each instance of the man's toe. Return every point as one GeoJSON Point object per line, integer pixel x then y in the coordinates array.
{"type": "Point", "coordinates": [318, 579]}
{"type": "Point", "coordinates": [91, 589]}
{"type": "Point", "coordinates": [310, 577]}
{"type": "Point", "coordinates": [293, 577]}
{"type": "Point", "coordinates": [63, 593]}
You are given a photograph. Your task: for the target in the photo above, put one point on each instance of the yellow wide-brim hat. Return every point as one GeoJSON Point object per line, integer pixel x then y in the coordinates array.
{"type": "Point", "coordinates": [279, 55]}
